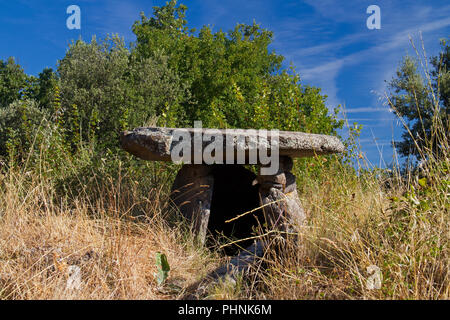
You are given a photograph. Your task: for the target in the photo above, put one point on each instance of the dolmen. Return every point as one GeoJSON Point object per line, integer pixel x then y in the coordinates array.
{"type": "Point", "coordinates": [218, 195]}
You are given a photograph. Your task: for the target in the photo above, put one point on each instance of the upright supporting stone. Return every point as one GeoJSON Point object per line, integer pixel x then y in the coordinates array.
{"type": "Point", "coordinates": [192, 194]}
{"type": "Point", "coordinates": [281, 205]}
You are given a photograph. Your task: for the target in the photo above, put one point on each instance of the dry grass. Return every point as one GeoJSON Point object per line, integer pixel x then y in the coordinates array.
{"type": "Point", "coordinates": [41, 238]}
{"type": "Point", "coordinates": [370, 219]}
{"type": "Point", "coordinates": [353, 229]}
{"type": "Point", "coordinates": [353, 223]}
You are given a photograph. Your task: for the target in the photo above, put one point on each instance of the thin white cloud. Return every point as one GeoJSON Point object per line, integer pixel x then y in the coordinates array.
{"type": "Point", "coordinates": [366, 109]}
{"type": "Point", "coordinates": [119, 16]}
{"type": "Point", "coordinates": [369, 119]}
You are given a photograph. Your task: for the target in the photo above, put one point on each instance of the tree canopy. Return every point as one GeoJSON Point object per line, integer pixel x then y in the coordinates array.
{"type": "Point", "coordinates": [233, 78]}
{"type": "Point", "coordinates": [423, 100]}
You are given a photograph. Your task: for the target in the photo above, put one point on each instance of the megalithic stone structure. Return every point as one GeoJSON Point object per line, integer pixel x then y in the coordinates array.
{"type": "Point", "coordinates": [194, 187]}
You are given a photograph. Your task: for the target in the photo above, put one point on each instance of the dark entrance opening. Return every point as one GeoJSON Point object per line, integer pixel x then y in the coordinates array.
{"type": "Point", "coordinates": [233, 195]}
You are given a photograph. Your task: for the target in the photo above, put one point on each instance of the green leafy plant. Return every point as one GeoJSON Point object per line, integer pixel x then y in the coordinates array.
{"type": "Point", "coordinates": [163, 268]}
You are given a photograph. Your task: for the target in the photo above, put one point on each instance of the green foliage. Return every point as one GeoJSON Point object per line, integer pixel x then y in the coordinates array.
{"type": "Point", "coordinates": [44, 88]}
{"type": "Point", "coordinates": [233, 78]}
{"type": "Point", "coordinates": [423, 201]}
{"type": "Point", "coordinates": [422, 102]}
{"type": "Point", "coordinates": [25, 108]}
{"type": "Point", "coordinates": [109, 91]}
{"type": "Point", "coordinates": [441, 75]}
{"type": "Point", "coordinates": [91, 78]}
{"type": "Point", "coordinates": [16, 85]}
{"type": "Point", "coordinates": [163, 268]}
{"type": "Point", "coordinates": [19, 122]}
{"type": "Point", "coordinates": [172, 77]}
{"type": "Point", "coordinates": [13, 81]}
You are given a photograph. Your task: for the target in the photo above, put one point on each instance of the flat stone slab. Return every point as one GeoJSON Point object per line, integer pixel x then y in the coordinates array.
{"type": "Point", "coordinates": [157, 143]}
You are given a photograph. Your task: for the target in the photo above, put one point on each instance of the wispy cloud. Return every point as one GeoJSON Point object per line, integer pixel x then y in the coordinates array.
{"type": "Point", "coordinates": [369, 119]}
{"type": "Point", "coordinates": [119, 16]}
{"type": "Point", "coordinates": [323, 63]}
{"type": "Point", "coordinates": [366, 109]}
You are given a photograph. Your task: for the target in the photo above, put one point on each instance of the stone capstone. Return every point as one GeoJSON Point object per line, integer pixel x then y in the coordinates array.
{"type": "Point", "coordinates": [154, 143]}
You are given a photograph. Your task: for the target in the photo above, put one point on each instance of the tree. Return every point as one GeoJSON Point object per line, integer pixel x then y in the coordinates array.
{"type": "Point", "coordinates": [441, 75]}
{"type": "Point", "coordinates": [112, 91]}
{"type": "Point", "coordinates": [15, 84]}
{"type": "Point", "coordinates": [423, 103]}
{"type": "Point", "coordinates": [22, 100]}
{"type": "Point", "coordinates": [233, 78]}
{"type": "Point", "coordinates": [45, 86]}
{"type": "Point", "coordinates": [18, 125]}
{"type": "Point", "coordinates": [13, 81]}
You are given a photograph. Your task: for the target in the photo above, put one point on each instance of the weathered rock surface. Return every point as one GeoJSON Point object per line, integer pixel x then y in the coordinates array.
{"type": "Point", "coordinates": [238, 265]}
{"type": "Point", "coordinates": [191, 193]}
{"type": "Point", "coordinates": [154, 143]}
{"type": "Point", "coordinates": [278, 193]}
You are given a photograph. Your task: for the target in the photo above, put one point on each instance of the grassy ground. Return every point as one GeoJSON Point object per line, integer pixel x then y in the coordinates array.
{"type": "Point", "coordinates": [41, 238]}
{"type": "Point", "coordinates": [357, 224]}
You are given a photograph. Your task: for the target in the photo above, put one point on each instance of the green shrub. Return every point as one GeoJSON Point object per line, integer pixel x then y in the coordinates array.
{"type": "Point", "coordinates": [18, 124]}
{"type": "Point", "coordinates": [110, 91]}
{"type": "Point", "coordinates": [234, 79]}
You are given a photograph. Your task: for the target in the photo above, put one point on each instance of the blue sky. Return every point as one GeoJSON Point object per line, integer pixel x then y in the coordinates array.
{"type": "Point", "coordinates": [327, 41]}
